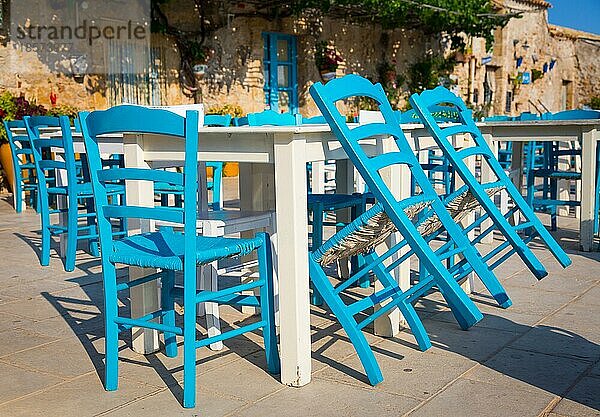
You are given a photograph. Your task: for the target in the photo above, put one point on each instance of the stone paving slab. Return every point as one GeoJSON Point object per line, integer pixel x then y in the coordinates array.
{"type": "Point", "coordinates": [540, 357]}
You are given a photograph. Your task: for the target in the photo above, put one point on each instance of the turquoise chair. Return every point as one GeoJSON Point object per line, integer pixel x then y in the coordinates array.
{"type": "Point", "coordinates": [415, 217]}
{"type": "Point", "coordinates": [167, 249]}
{"type": "Point", "coordinates": [550, 172]}
{"type": "Point", "coordinates": [76, 192]}
{"type": "Point", "coordinates": [318, 204]}
{"type": "Point", "coordinates": [436, 163]}
{"type": "Point", "coordinates": [214, 184]}
{"type": "Point", "coordinates": [482, 193]}
{"type": "Point", "coordinates": [22, 158]}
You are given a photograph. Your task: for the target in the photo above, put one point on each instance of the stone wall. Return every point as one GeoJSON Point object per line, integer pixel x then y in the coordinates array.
{"type": "Point", "coordinates": [235, 72]}
{"type": "Point", "coordinates": [573, 80]}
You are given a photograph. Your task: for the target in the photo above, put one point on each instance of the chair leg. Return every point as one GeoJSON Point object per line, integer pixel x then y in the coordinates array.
{"type": "Point", "coordinates": [111, 340]}
{"type": "Point", "coordinates": [463, 308]}
{"type": "Point", "coordinates": [18, 193]}
{"type": "Point", "coordinates": [317, 240]}
{"type": "Point", "coordinates": [189, 340]}
{"type": "Point", "coordinates": [408, 311]}
{"type": "Point", "coordinates": [46, 237]}
{"type": "Point", "coordinates": [72, 237]}
{"type": "Point", "coordinates": [360, 343]}
{"type": "Point", "coordinates": [267, 305]}
{"type": "Point", "coordinates": [168, 306]}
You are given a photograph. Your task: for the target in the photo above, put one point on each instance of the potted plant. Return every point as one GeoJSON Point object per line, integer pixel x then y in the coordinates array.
{"type": "Point", "coordinates": [230, 169]}
{"type": "Point", "coordinates": [199, 56]}
{"type": "Point", "coordinates": [13, 108]}
{"type": "Point", "coordinates": [327, 60]}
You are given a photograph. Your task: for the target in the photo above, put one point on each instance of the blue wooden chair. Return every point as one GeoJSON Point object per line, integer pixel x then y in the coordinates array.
{"type": "Point", "coordinates": [318, 204]}
{"type": "Point", "coordinates": [167, 249]}
{"type": "Point", "coordinates": [214, 184]}
{"type": "Point", "coordinates": [22, 158]}
{"type": "Point", "coordinates": [75, 192]}
{"type": "Point", "coordinates": [415, 217]}
{"type": "Point", "coordinates": [436, 162]}
{"type": "Point", "coordinates": [551, 173]}
{"type": "Point", "coordinates": [482, 192]}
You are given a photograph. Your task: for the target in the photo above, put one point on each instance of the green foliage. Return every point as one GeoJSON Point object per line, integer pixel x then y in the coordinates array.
{"type": "Point", "coordinates": [15, 108]}
{"type": "Point", "coordinates": [326, 57]}
{"type": "Point", "coordinates": [536, 74]}
{"type": "Point", "coordinates": [64, 110]}
{"type": "Point", "coordinates": [595, 103]}
{"type": "Point", "coordinates": [428, 73]}
{"type": "Point", "coordinates": [232, 109]}
{"type": "Point", "coordinates": [471, 17]}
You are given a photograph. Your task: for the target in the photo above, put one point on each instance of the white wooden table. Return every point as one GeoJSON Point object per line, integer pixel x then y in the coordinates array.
{"type": "Point", "coordinates": [586, 132]}
{"type": "Point", "coordinates": [273, 176]}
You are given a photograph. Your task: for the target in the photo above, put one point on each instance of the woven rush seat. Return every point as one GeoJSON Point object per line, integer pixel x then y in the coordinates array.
{"type": "Point", "coordinates": [374, 226]}
{"type": "Point", "coordinates": [148, 250]}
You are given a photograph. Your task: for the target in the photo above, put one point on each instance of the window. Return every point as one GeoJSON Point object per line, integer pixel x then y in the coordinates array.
{"type": "Point", "coordinates": [489, 85]}
{"type": "Point", "coordinates": [280, 67]}
{"type": "Point", "coordinates": [566, 95]}
{"type": "Point", "coordinates": [509, 99]}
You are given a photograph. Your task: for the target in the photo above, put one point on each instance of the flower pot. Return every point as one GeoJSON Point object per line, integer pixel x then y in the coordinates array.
{"type": "Point", "coordinates": [199, 70]}
{"type": "Point", "coordinates": [231, 169]}
{"type": "Point", "coordinates": [7, 163]}
{"type": "Point", "coordinates": [327, 75]}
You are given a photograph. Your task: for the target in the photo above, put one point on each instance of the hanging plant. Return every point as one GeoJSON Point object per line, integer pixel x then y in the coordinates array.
{"type": "Point", "coordinates": [536, 74]}
{"type": "Point", "coordinates": [327, 60]}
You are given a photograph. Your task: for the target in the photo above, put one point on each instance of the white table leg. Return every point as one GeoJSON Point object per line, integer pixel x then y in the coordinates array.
{"type": "Point", "coordinates": [486, 176]}
{"type": "Point", "coordinates": [318, 177]}
{"type": "Point", "coordinates": [292, 227]}
{"type": "Point", "coordinates": [344, 184]}
{"type": "Point", "coordinates": [256, 184]}
{"type": "Point", "coordinates": [144, 298]}
{"type": "Point", "coordinates": [208, 280]}
{"type": "Point", "coordinates": [588, 188]}
{"type": "Point", "coordinates": [397, 178]}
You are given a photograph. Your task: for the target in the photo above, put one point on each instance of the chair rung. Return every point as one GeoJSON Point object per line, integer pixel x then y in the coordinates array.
{"type": "Point", "coordinates": [231, 333]}
{"type": "Point", "coordinates": [384, 309]}
{"type": "Point", "coordinates": [127, 323]}
{"type": "Point", "coordinates": [139, 281]}
{"type": "Point", "coordinates": [523, 225]}
{"type": "Point", "coordinates": [239, 300]}
{"type": "Point", "coordinates": [450, 253]}
{"type": "Point", "coordinates": [371, 300]}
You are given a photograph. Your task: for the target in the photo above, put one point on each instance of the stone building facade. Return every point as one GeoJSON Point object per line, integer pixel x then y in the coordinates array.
{"type": "Point", "coordinates": [568, 60]}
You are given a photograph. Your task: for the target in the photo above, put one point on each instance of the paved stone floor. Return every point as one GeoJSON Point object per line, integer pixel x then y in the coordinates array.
{"type": "Point", "coordinates": [538, 358]}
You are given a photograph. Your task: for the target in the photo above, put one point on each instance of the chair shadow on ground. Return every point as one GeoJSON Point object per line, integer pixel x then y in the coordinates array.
{"type": "Point", "coordinates": [88, 326]}
{"type": "Point", "coordinates": [575, 354]}
{"type": "Point", "coordinates": [35, 243]}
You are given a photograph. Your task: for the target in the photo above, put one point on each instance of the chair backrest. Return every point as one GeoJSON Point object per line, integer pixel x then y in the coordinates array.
{"type": "Point", "coordinates": [62, 146]}
{"type": "Point", "coordinates": [574, 115]}
{"type": "Point", "coordinates": [528, 116]}
{"type": "Point", "coordinates": [316, 120]}
{"type": "Point", "coordinates": [19, 143]}
{"type": "Point", "coordinates": [135, 119]}
{"type": "Point", "coordinates": [270, 117]}
{"type": "Point", "coordinates": [497, 118]}
{"type": "Point", "coordinates": [217, 120]}
{"type": "Point", "coordinates": [440, 114]}
{"type": "Point", "coordinates": [326, 97]}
